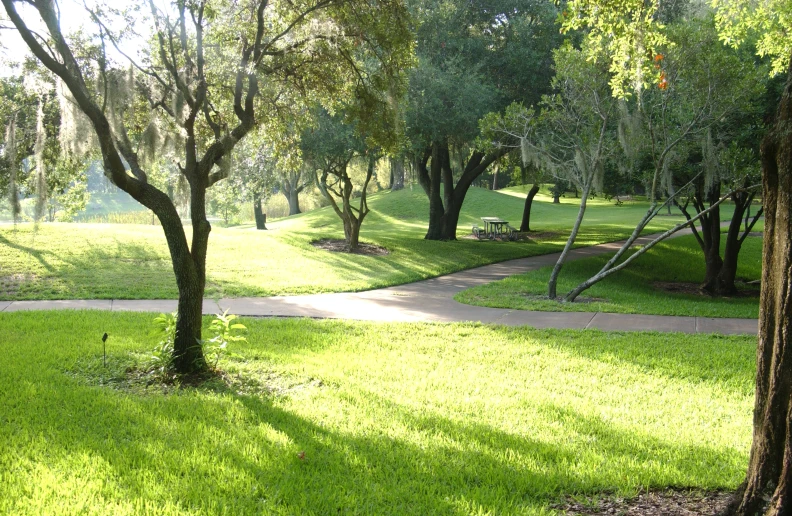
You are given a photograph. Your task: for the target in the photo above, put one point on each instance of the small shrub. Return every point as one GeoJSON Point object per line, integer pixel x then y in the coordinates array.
{"type": "Point", "coordinates": [162, 354]}
{"type": "Point", "coordinates": [225, 331]}
{"type": "Point", "coordinates": [222, 329]}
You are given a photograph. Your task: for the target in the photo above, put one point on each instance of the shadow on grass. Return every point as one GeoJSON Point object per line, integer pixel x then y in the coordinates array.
{"type": "Point", "coordinates": [241, 453]}
{"type": "Point", "coordinates": [35, 253]}
{"type": "Point", "coordinates": [210, 452]}
{"type": "Point", "coordinates": [726, 362]}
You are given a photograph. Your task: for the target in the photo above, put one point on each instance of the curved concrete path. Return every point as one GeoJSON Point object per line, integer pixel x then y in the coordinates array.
{"type": "Point", "coordinates": [426, 301]}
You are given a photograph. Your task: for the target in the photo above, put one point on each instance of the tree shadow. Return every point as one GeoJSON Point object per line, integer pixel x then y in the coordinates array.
{"type": "Point", "coordinates": [39, 255]}
{"type": "Point", "coordinates": [179, 451]}
{"type": "Point", "coordinates": [727, 362]}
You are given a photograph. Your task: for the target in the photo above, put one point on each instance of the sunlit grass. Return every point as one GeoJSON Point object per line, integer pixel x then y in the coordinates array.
{"type": "Point", "coordinates": [76, 261]}
{"type": "Point", "coordinates": [633, 289]}
{"type": "Point", "coordinates": [396, 419]}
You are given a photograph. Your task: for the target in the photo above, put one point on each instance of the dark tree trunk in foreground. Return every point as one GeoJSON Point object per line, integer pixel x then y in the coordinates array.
{"type": "Point", "coordinates": [258, 214]}
{"type": "Point", "coordinates": [397, 174]}
{"type": "Point", "coordinates": [526, 218]}
{"type": "Point", "coordinates": [768, 485]}
{"type": "Point", "coordinates": [446, 198]}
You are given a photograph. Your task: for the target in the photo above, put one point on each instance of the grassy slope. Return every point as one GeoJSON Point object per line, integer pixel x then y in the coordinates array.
{"type": "Point", "coordinates": [77, 261]}
{"type": "Point", "coordinates": [630, 290]}
{"type": "Point", "coordinates": [400, 419]}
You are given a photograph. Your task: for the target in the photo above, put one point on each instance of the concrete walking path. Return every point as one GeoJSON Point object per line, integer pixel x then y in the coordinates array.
{"type": "Point", "coordinates": [429, 300]}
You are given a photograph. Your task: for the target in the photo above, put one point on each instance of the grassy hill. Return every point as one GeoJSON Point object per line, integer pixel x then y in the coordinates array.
{"type": "Point", "coordinates": [79, 261]}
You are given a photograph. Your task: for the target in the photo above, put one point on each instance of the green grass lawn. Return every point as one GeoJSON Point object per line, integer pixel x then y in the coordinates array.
{"type": "Point", "coordinates": [79, 261]}
{"type": "Point", "coordinates": [631, 290]}
{"type": "Point", "coordinates": [393, 419]}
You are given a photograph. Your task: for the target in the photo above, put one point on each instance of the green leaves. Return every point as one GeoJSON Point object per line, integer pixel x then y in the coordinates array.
{"type": "Point", "coordinates": [625, 32]}
{"type": "Point", "coordinates": [225, 331]}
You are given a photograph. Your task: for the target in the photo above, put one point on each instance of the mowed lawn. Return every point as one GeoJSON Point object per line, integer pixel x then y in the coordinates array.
{"type": "Point", "coordinates": [641, 288]}
{"type": "Point", "coordinates": [80, 261]}
{"type": "Point", "coordinates": [392, 419]}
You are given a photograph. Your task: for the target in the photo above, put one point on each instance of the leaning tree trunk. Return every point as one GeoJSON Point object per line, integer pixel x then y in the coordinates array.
{"type": "Point", "coordinates": [552, 283]}
{"type": "Point", "coordinates": [258, 214]}
{"type": "Point", "coordinates": [526, 218]}
{"type": "Point", "coordinates": [768, 485]}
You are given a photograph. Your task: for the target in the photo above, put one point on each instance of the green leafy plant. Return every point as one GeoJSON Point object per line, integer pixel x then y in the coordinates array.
{"type": "Point", "coordinates": [162, 355]}
{"type": "Point", "coordinates": [225, 330]}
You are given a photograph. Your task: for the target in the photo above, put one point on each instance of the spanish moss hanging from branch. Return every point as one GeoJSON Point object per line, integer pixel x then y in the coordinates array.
{"type": "Point", "coordinates": [41, 173]}
{"type": "Point", "coordinates": [11, 155]}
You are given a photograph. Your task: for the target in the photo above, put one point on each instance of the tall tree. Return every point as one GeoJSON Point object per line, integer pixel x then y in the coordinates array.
{"type": "Point", "coordinates": [203, 80]}
{"type": "Point", "coordinates": [766, 489]}
{"type": "Point", "coordinates": [293, 181]}
{"type": "Point", "coordinates": [572, 136]}
{"type": "Point", "coordinates": [703, 87]}
{"type": "Point", "coordinates": [473, 58]}
{"type": "Point", "coordinates": [329, 147]}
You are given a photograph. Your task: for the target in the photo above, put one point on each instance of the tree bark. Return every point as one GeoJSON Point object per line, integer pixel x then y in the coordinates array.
{"type": "Point", "coordinates": [294, 202]}
{"type": "Point", "coordinates": [346, 212]}
{"type": "Point", "coordinates": [397, 174]}
{"type": "Point", "coordinates": [553, 281]}
{"type": "Point", "coordinates": [444, 209]}
{"type": "Point", "coordinates": [526, 218]}
{"type": "Point", "coordinates": [766, 489]}
{"type": "Point", "coordinates": [261, 219]}
{"type": "Point", "coordinates": [291, 188]}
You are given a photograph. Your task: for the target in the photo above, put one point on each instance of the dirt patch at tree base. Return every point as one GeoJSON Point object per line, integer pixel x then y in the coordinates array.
{"type": "Point", "coordinates": [748, 290]}
{"type": "Point", "coordinates": [665, 503]}
{"type": "Point", "coordinates": [338, 245]}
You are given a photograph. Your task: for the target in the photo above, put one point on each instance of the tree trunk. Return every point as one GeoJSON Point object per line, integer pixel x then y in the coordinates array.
{"type": "Point", "coordinates": [495, 179]}
{"type": "Point", "coordinates": [553, 281]}
{"type": "Point", "coordinates": [436, 209]}
{"type": "Point", "coordinates": [444, 209]}
{"type": "Point", "coordinates": [191, 281]}
{"type": "Point", "coordinates": [352, 233]}
{"type": "Point", "coordinates": [261, 218]}
{"type": "Point", "coordinates": [526, 218]}
{"type": "Point", "coordinates": [397, 174]}
{"type": "Point", "coordinates": [766, 489]}
{"type": "Point", "coordinates": [294, 202]}
{"type": "Point", "coordinates": [724, 281]}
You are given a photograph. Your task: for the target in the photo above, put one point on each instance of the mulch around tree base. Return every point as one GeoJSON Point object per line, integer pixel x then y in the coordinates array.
{"type": "Point", "coordinates": [660, 503]}
{"type": "Point", "coordinates": [338, 245]}
{"type": "Point", "coordinates": [694, 289]}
